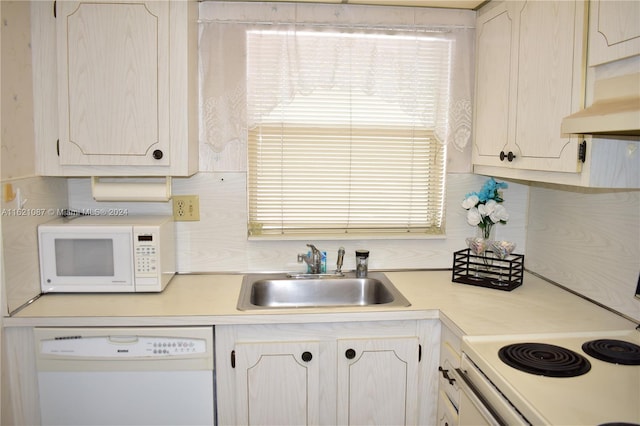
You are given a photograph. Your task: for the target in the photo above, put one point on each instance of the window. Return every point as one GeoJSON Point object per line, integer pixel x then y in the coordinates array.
{"type": "Point", "coordinates": [342, 132]}
{"type": "Point", "coordinates": [343, 117]}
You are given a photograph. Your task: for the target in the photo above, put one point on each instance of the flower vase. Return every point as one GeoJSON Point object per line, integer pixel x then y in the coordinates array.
{"type": "Point", "coordinates": [487, 233]}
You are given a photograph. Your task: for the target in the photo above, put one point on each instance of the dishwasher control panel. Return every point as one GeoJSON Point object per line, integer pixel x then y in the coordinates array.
{"type": "Point", "coordinates": [122, 346]}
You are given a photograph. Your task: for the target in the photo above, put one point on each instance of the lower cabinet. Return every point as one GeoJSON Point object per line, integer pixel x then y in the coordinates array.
{"type": "Point", "coordinates": [373, 372]}
{"type": "Point", "coordinates": [334, 373]}
{"type": "Point", "coordinates": [277, 383]}
{"type": "Point", "coordinates": [378, 381]}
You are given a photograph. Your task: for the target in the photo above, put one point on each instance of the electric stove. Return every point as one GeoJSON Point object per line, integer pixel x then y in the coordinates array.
{"type": "Point", "coordinates": [564, 379]}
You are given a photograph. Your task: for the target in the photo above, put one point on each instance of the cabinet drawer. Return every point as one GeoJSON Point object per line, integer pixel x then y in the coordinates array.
{"type": "Point", "coordinates": [448, 363]}
{"type": "Point", "coordinates": [447, 412]}
{"type": "Point", "coordinates": [449, 353]}
{"type": "Point", "coordinates": [449, 360]}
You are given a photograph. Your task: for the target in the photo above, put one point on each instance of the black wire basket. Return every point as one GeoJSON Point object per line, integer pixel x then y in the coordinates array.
{"type": "Point", "coordinates": [487, 270]}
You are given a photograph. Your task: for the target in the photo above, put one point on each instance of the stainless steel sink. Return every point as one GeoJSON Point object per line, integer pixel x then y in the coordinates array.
{"type": "Point", "coordinates": [270, 291]}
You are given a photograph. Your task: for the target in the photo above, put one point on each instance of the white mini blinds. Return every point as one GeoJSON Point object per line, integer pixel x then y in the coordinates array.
{"type": "Point", "coordinates": [342, 132]}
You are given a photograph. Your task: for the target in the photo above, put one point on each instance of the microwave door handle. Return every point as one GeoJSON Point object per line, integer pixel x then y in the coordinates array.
{"type": "Point", "coordinates": [478, 399]}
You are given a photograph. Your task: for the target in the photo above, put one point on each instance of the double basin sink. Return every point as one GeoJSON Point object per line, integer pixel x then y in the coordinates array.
{"type": "Point", "coordinates": [270, 291]}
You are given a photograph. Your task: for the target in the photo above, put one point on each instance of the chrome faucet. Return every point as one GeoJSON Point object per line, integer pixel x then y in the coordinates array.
{"type": "Point", "coordinates": [313, 259]}
{"type": "Point", "coordinates": [340, 260]}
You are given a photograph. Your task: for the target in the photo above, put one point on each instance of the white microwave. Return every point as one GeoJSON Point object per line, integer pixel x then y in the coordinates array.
{"type": "Point", "coordinates": [114, 254]}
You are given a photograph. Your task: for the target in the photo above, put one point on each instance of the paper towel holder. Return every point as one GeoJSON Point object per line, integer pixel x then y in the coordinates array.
{"type": "Point", "coordinates": [130, 189]}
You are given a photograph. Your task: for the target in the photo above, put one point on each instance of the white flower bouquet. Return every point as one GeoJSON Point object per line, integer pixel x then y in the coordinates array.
{"type": "Point", "coordinates": [484, 208]}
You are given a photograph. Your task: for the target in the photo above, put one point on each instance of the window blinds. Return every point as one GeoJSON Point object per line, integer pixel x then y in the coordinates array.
{"type": "Point", "coordinates": [341, 133]}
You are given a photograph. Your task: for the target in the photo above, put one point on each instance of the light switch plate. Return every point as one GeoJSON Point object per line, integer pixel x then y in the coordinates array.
{"type": "Point", "coordinates": [186, 208]}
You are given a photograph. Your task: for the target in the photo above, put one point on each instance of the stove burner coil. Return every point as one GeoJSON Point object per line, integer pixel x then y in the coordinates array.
{"type": "Point", "coordinates": [613, 351]}
{"type": "Point", "coordinates": [544, 359]}
{"type": "Point", "coordinates": [619, 424]}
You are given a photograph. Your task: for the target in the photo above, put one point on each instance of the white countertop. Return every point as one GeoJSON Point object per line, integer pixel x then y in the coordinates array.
{"type": "Point", "coordinates": [535, 307]}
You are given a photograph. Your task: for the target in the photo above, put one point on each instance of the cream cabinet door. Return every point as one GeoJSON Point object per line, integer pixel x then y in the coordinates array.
{"type": "Point", "coordinates": [378, 381]}
{"type": "Point", "coordinates": [614, 30]}
{"type": "Point", "coordinates": [113, 82]}
{"type": "Point", "coordinates": [277, 383]}
{"type": "Point", "coordinates": [550, 84]}
{"type": "Point", "coordinates": [493, 68]}
{"type": "Point", "coordinates": [529, 76]}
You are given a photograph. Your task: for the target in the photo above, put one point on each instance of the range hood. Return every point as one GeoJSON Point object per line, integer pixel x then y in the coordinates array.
{"type": "Point", "coordinates": [615, 109]}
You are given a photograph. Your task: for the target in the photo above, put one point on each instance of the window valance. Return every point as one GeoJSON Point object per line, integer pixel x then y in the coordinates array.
{"type": "Point", "coordinates": [223, 38]}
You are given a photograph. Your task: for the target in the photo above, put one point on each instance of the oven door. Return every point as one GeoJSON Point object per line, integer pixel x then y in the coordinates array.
{"type": "Point", "coordinates": [480, 402]}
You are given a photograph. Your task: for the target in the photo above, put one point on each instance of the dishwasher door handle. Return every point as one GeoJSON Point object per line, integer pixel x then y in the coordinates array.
{"type": "Point", "coordinates": [123, 339]}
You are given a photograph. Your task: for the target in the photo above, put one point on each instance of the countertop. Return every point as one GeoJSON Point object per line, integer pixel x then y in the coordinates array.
{"type": "Point", "coordinates": [196, 299]}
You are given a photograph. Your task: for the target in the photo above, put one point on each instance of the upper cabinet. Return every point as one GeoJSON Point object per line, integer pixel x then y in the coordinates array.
{"type": "Point", "coordinates": [531, 72]}
{"type": "Point", "coordinates": [125, 88]}
{"type": "Point", "coordinates": [614, 32]}
{"type": "Point", "coordinates": [113, 80]}
{"type": "Point", "coordinates": [529, 76]}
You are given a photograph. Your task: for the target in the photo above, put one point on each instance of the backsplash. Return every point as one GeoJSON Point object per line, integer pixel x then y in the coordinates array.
{"type": "Point", "coordinates": [587, 240]}
{"type": "Point", "coordinates": [41, 199]}
{"type": "Point", "coordinates": [218, 242]}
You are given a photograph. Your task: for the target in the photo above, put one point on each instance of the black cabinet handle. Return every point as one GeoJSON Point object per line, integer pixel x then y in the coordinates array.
{"type": "Point", "coordinates": [306, 356]}
{"type": "Point", "coordinates": [157, 154]}
{"type": "Point", "coordinates": [350, 354]}
{"type": "Point", "coordinates": [582, 151]}
{"type": "Point", "coordinates": [445, 374]}
{"type": "Point", "coordinates": [509, 156]}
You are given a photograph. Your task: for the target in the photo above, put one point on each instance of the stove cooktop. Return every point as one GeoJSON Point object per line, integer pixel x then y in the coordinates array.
{"type": "Point", "coordinates": [604, 392]}
{"type": "Point", "coordinates": [544, 359]}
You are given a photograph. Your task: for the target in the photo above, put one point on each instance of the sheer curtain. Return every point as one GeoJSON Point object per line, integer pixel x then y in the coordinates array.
{"type": "Point", "coordinates": [224, 116]}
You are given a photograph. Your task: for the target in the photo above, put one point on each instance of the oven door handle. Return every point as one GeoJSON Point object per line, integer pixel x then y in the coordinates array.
{"type": "Point", "coordinates": [478, 400]}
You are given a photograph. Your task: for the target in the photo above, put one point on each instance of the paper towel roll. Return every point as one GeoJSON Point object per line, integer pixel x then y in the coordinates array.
{"type": "Point", "coordinates": [121, 189]}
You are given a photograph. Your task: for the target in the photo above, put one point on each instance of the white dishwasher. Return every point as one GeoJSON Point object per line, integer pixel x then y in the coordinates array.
{"type": "Point", "coordinates": [125, 376]}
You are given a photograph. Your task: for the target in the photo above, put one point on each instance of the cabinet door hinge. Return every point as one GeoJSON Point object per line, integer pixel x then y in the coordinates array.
{"type": "Point", "coordinates": [419, 352]}
{"type": "Point", "coordinates": [55, 9]}
{"type": "Point", "coordinates": [233, 359]}
{"type": "Point", "coordinates": [582, 151]}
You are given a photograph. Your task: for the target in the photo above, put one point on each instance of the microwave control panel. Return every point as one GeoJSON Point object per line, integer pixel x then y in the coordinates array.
{"type": "Point", "coordinates": [146, 254]}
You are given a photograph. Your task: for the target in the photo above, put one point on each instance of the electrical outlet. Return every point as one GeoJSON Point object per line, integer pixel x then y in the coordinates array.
{"type": "Point", "coordinates": [186, 208]}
